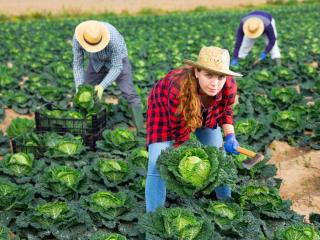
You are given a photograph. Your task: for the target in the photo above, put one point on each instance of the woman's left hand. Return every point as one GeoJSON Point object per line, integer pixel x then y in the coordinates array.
{"type": "Point", "coordinates": [231, 144]}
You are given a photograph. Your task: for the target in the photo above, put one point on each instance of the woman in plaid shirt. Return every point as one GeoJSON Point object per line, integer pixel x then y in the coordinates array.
{"type": "Point", "coordinates": [196, 98]}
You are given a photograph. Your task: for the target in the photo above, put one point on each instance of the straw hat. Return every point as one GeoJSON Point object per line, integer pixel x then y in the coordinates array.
{"type": "Point", "coordinates": [215, 60]}
{"type": "Point", "coordinates": [92, 35]}
{"type": "Point", "coordinates": [253, 27]}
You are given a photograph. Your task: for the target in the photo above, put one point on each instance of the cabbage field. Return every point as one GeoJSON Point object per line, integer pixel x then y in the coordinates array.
{"type": "Point", "coordinates": [61, 189]}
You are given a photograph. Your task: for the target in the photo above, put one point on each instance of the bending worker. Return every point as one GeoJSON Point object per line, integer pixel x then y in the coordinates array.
{"type": "Point", "coordinates": [252, 26]}
{"type": "Point", "coordinates": [195, 98]}
{"type": "Point", "coordinates": [108, 62]}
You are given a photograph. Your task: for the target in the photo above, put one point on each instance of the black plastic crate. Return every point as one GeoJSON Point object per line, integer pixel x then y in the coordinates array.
{"type": "Point", "coordinates": [18, 146]}
{"type": "Point", "coordinates": [90, 131]}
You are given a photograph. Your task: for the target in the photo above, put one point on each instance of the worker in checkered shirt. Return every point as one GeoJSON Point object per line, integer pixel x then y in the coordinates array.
{"type": "Point", "coordinates": [108, 62]}
{"type": "Point", "coordinates": [195, 98]}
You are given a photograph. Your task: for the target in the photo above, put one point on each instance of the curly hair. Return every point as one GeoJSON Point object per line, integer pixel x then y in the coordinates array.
{"type": "Point", "coordinates": [190, 106]}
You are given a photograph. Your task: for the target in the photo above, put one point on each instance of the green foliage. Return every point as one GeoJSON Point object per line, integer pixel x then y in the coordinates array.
{"type": "Point", "coordinates": [267, 200]}
{"type": "Point", "coordinates": [139, 158]}
{"type": "Point", "coordinates": [297, 232]}
{"type": "Point", "coordinates": [287, 120]}
{"type": "Point", "coordinates": [14, 197]}
{"type": "Point", "coordinates": [112, 171]}
{"type": "Point", "coordinates": [19, 163]}
{"type": "Point", "coordinates": [285, 95]}
{"type": "Point", "coordinates": [107, 236]}
{"type": "Point", "coordinates": [176, 223]}
{"type": "Point", "coordinates": [63, 146]}
{"type": "Point", "coordinates": [120, 139]}
{"type": "Point", "coordinates": [62, 181]}
{"type": "Point", "coordinates": [85, 97]}
{"type": "Point", "coordinates": [20, 127]}
{"type": "Point", "coordinates": [192, 168]}
{"type": "Point", "coordinates": [108, 208]}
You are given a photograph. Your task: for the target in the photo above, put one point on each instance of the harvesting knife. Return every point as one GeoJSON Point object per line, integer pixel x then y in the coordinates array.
{"type": "Point", "coordinates": [255, 157]}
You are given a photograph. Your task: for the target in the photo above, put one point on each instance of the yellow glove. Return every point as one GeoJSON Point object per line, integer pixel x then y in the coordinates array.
{"type": "Point", "coordinates": [99, 90]}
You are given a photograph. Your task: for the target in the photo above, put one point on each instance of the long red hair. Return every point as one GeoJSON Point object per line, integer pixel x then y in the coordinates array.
{"type": "Point", "coordinates": [190, 106]}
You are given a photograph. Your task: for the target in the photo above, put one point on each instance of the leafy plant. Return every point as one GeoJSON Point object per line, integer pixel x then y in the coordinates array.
{"type": "Point", "coordinates": [287, 120]}
{"type": "Point", "coordinates": [193, 168]}
{"type": "Point", "coordinates": [85, 97]}
{"type": "Point", "coordinates": [61, 181]}
{"type": "Point", "coordinates": [139, 158]}
{"type": "Point", "coordinates": [64, 146]}
{"type": "Point", "coordinates": [20, 127]}
{"type": "Point", "coordinates": [55, 217]}
{"type": "Point", "coordinates": [120, 139]}
{"type": "Point", "coordinates": [107, 236]}
{"type": "Point", "coordinates": [298, 232]}
{"type": "Point", "coordinates": [175, 223]}
{"type": "Point", "coordinates": [266, 199]}
{"type": "Point", "coordinates": [14, 197]}
{"type": "Point", "coordinates": [107, 208]}
{"type": "Point", "coordinates": [21, 166]}
{"type": "Point", "coordinates": [112, 171]}
{"type": "Point", "coordinates": [284, 95]}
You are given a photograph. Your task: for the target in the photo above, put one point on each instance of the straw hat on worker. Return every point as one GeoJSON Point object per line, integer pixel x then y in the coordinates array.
{"type": "Point", "coordinates": [92, 35]}
{"type": "Point", "coordinates": [215, 60]}
{"type": "Point", "coordinates": [253, 27]}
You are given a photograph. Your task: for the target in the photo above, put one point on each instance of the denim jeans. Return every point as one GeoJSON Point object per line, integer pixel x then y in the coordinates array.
{"type": "Point", "coordinates": [155, 191]}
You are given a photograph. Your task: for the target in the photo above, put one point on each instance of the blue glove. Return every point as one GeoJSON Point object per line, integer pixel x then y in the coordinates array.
{"type": "Point", "coordinates": [234, 62]}
{"type": "Point", "coordinates": [263, 56]}
{"type": "Point", "coordinates": [231, 144]}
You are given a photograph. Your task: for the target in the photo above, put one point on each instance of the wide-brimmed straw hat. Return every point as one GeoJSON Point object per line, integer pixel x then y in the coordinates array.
{"type": "Point", "coordinates": [253, 27]}
{"type": "Point", "coordinates": [92, 35]}
{"type": "Point", "coordinates": [215, 60]}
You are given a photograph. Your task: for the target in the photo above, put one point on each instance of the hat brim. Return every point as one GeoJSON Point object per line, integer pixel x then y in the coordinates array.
{"type": "Point", "coordinates": [255, 34]}
{"type": "Point", "coordinates": [225, 72]}
{"type": "Point", "coordinates": [105, 37]}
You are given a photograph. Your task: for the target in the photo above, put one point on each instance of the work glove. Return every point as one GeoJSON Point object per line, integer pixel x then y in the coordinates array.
{"type": "Point", "coordinates": [234, 62]}
{"type": "Point", "coordinates": [231, 144]}
{"type": "Point", "coordinates": [99, 90]}
{"type": "Point", "coordinates": [263, 56]}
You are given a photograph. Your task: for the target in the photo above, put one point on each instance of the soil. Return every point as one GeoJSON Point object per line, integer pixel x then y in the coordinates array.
{"type": "Point", "coordinates": [18, 7]}
{"type": "Point", "coordinates": [300, 171]}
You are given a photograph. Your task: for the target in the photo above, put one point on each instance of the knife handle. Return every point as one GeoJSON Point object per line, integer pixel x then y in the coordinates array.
{"type": "Point", "coordinates": [246, 152]}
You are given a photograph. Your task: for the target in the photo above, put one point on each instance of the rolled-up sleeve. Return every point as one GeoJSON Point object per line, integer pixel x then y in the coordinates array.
{"type": "Point", "coordinates": [78, 53]}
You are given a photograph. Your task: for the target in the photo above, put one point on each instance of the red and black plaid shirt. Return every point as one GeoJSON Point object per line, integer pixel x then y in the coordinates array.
{"type": "Point", "coordinates": [162, 122]}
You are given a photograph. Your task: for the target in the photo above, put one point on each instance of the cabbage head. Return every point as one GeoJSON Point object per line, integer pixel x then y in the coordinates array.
{"type": "Point", "coordinates": [19, 163]}
{"type": "Point", "coordinates": [195, 167]}
{"type": "Point", "coordinates": [63, 179]}
{"type": "Point", "coordinates": [287, 120]}
{"type": "Point", "coordinates": [107, 236]}
{"type": "Point", "coordinates": [224, 213]}
{"type": "Point", "coordinates": [192, 168]}
{"type": "Point", "coordinates": [176, 223]}
{"type": "Point", "coordinates": [139, 158]}
{"type": "Point", "coordinates": [121, 139]}
{"type": "Point", "coordinates": [109, 206]}
{"type": "Point", "coordinates": [85, 97]}
{"type": "Point", "coordinates": [298, 232]}
{"type": "Point", "coordinates": [114, 170]}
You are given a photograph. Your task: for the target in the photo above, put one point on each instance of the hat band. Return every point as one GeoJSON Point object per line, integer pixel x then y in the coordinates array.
{"type": "Point", "coordinates": [93, 44]}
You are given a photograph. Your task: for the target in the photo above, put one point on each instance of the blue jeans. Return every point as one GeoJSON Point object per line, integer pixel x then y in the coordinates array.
{"type": "Point", "coordinates": [155, 191]}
